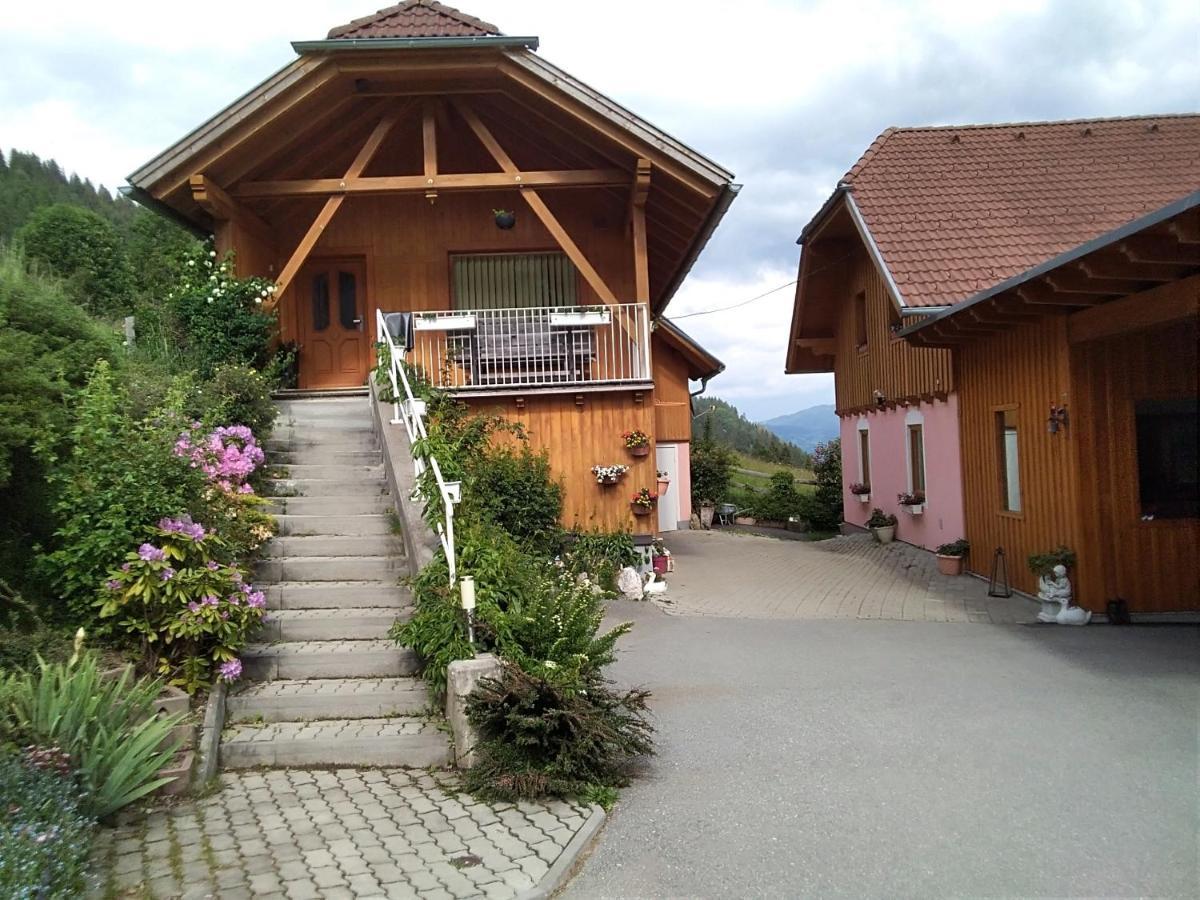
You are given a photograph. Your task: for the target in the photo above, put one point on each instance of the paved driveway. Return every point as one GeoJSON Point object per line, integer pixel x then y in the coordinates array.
{"type": "Point", "coordinates": [853, 758]}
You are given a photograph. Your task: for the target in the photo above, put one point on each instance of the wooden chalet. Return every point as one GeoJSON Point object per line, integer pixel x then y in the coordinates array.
{"type": "Point", "coordinates": [1010, 314]}
{"type": "Point", "coordinates": [418, 160]}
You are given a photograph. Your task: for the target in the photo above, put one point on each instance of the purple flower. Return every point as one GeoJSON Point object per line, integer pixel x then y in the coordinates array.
{"type": "Point", "coordinates": [245, 588]}
{"type": "Point", "coordinates": [125, 567]}
{"type": "Point", "coordinates": [194, 606]}
{"type": "Point", "coordinates": [150, 553]}
{"type": "Point", "coordinates": [112, 584]}
{"type": "Point", "coordinates": [257, 600]}
{"type": "Point", "coordinates": [212, 565]}
{"type": "Point", "coordinates": [234, 600]}
{"type": "Point", "coordinates": [230, 671]}
{"type": "Point", "coordinates": [209, 600]}
{"type": "Point", "coordinates": [167, 574]}
{"type": "Point", "coordinates": [245, 489]}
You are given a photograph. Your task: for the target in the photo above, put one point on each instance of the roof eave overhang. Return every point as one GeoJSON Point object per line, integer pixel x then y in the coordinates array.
{"type": "Point", "coordinates": [1175, 208]}
{"type": "Point", "coordinates": [720, 207]}
{"type": "Point", "coordinates": [344, 45]}
{"type": "Point", "coordinates": [702, 364]}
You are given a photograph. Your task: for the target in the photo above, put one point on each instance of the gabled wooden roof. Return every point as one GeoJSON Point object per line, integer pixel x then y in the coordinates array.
{"type": "Point", "coordinates": [414, 19]}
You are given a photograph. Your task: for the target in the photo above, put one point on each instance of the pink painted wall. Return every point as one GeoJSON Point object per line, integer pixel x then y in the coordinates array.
{"type": "Point", "coordinates": [943, 519]}
{"type": "Point", "coordinates": [683, 481]}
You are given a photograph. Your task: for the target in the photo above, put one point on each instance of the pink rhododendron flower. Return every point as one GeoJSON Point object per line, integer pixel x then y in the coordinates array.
{"type": "Point", "coordinates": [112, 584]}
{"type": "Point", "coordinates": [256, 599]}
{"type": "Point", "coordinates": [167, 574]}
{"type": "Point", "coordinates": [150, 553]}
{"type": "Point", "coordinates": [230, 671]}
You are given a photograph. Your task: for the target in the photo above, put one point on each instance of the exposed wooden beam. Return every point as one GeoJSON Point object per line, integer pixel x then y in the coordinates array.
{"type": "Point", "coordinates": [1116, 268]}
{"type": "Point", "coordinates": [1157, 306]}
{"type": "Point", "coordinates": [1159, 249]}
{"type": "Point", "coordinates": [1067, 281]}
{"type": "Point", "coordinates": [1035, 296]}
{"type": "Point", "coordinates": [637, 216]}
{"type": "Point", "coordinates": [538, 205]}
{"type": "Point", "coordinates": [429, 143]}
{"type": "Point", "coordinates": [1186, 228]}
{"type": "Point", "coordinates": [212, 197]}
{"type": "Point", "coordinates": [332, 205]}
{"type": "Point", "coordinates": [826, 346]}
{"type": "Point", "coordinates": [396, 184]}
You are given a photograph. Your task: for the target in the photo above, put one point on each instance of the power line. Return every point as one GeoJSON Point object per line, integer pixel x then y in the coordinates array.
{"type": "Point", "coordinates": [707, 312]}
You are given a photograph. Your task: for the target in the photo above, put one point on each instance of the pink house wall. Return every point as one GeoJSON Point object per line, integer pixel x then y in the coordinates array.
{"type": "Point", "coordinates": [943, 518]}
{"type": "Point", "coordinates": [684, 481]}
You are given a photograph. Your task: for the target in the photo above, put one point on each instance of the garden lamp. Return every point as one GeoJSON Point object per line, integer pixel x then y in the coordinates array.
{"type": "Point", "coordinates": [466, 589]}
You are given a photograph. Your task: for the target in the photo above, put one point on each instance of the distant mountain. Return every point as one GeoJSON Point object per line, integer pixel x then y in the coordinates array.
{"type": "Point", "coordinates": [722, 422]}
{"type": "Point", "coordinates": [805, 428]}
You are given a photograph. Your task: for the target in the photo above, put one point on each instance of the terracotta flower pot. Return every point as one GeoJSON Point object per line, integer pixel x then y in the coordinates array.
{"type": "Point", "coordinates": [641, 510]}
{"type": "Point", "coordinates": [639, 451]}
{"type": "Point", "coordinates": [950, 565]}
{"type": "Point", "coordinates": [663, 484]}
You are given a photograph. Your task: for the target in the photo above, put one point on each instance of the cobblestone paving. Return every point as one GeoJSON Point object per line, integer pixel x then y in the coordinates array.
{"type": "Point", "coordinates": [334, 834]}
{"type": "Point", "coordinates": [720, 573]}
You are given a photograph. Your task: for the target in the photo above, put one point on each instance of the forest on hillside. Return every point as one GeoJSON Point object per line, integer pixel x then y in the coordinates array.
{"type": "Point", "coordinates": [722, 422]}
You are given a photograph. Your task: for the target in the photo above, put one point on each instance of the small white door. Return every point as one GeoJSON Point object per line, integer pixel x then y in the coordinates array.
{"type": "Point", "coordinates": [667, 459]}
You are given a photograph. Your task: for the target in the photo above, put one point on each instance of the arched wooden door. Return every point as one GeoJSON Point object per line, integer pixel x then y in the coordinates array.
{"type": "Point", "coordinates": [333, 327]}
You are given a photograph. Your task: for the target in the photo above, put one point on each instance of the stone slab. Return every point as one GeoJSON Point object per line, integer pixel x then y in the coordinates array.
{"type": "Point", "coordinates": [328, 659]}
{"type": "Point", "coordinates": [327, 698]}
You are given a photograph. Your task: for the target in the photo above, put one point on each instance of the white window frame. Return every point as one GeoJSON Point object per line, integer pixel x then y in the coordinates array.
{"type": "Point", "coordinates": [915, 417]}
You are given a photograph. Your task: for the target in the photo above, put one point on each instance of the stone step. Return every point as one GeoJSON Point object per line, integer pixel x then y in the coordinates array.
{"type": "Point", "coordinates": [331, 506]}
{"type": "Point", "coordinates": [328, 471]}
{"type": "Point", "coordinates": [294, 526]}
{"type": "Point", "coordinates": [327, 698]}
{"type": "Point", "coordinates": [354, 624]}
{"type": "Point", "coordinates": [396, 741]}
{"type": "Point", "coordinates": [324, 456]}
{"type": "Point", "coordinates": [328, 659]}
{"type": "Point", "coordinates": [337, 595]}
{"type": "Point", "coordinates": [331, 568]}
{"type": "Point", "coordinates": [325, 487]}
{"type": "Point", "coordinates": [335, 545]}
{"type": "Point", "coordinates": [329, 440]}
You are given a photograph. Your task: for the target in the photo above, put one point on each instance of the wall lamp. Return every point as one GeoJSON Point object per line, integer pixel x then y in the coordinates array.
{"type": "Point", "coordinates": [1058, 419]}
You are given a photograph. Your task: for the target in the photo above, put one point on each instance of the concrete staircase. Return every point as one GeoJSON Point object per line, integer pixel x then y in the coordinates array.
{"type": "Point", "coordinates": [325, 685]}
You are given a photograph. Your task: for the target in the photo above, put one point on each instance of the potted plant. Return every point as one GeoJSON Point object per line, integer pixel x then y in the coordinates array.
{"type": "Point", "coordinates": [505, 218]}
{"type": "Point", "coordinates": [912, 501]}
{"type": "Point", "coordinates": [643, 502]}
{"type": "Point", "coordinates": [660, 558]}
{"type": "Point", "coordinates": [950, 557]}
{"type": "Point", "coordinates": [882, 525]}
{"type": "Point", "coordinates": [609, 474]}
{"type": "Point", "coordinates": [707, 510]}
{"type": "Point", "coordinates": [664, 482]}
{"type": "Point", "coordinates": [637, 443]}
{"type": "Point", "coordinates": [862, 491]}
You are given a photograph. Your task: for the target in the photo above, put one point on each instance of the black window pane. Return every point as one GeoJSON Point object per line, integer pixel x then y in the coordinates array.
{"type": "Point", "coordinates": [347, 300]}
{"type": "Point", "coordinates": [1168, 432]}
{"type": "Point", "coordinates": [320, 302]}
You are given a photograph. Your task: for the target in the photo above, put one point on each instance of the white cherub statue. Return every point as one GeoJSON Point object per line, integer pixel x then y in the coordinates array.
{"type": "Point", "coordinates": [1054, 590]}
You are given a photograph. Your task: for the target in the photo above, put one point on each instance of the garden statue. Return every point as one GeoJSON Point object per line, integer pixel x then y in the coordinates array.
{"type": "Point", "coordinates": [629, 583]}
{"type": "Point", "coordinates": [1054, 590]}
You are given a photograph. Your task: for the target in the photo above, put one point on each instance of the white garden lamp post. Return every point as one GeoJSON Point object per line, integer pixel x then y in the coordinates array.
{"type": "Point", "coordinates": [466, 588]}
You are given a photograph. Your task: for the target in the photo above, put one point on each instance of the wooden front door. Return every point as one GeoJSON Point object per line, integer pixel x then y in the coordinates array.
{"type": "Point", "coordinates": [333, 328]}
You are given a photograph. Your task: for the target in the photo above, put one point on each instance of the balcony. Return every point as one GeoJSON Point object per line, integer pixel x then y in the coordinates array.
{"type": "Point", "coordinates": [484, 351]}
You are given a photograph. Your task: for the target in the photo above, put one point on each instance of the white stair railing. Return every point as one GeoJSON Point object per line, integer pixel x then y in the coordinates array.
{"type": "Point", "coordinates": [409, 411]}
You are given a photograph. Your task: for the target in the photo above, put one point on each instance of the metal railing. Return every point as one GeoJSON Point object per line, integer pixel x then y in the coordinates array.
{"type": "Point", "coordinates": [533, 347]}
{"type": "Point", "coordinates": [409, 411]}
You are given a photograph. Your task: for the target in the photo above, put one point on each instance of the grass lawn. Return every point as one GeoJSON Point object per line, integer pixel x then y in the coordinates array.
{"type": "Point", "coordinates": [762, 482]}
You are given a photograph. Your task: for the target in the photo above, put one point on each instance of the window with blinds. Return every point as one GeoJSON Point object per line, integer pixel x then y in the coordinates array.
{"type": "Point", "coordinates": [513, 280]}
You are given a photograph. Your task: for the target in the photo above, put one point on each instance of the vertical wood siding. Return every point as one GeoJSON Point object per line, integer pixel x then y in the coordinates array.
{"type": "Point", "coordinates": [895, 367]}
{"type": "Point", "coordinates": [672, 405]}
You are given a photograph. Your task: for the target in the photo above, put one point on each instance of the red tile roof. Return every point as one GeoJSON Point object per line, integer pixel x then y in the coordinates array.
{"type": "Point", "coordinates": [955, 210]}
{"type": "Point", "coordinates": [415, 19]}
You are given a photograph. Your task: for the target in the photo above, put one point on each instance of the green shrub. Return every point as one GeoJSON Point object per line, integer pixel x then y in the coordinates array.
{"type": "Point", "coordinates": [221, 315]}
{"type": "Point", "coordinates": [600, 555]}
{"type": "Point", "coordinates": [118, 476]}
{"type": "Point", "coordinates": [86, 250]}
{"type": "Point", "coordinates": [781, 499]}
{"type": "Point", "coordinates": [45, 837]}
{"type": "Point", "coordinates": [512, 488]}
{"type": "Point", "coordinates": [537, 738]}
{"type": "Point", "coordinates": [712, 466]}
{"type": "Point", "coordinates": [186, 611]}
{"type": "Point", "coordinates": [823, 507]}
{"type": "Point", "coordinates": [108, 727]}
{"type": "Point", "coordinates": [1043, 563]}
{"type": "Point", "coordinates": [238, 395]}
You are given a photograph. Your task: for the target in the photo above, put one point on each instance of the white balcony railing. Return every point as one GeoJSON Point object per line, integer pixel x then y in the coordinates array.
{"type": "Point", "coordinates": [538, 347]}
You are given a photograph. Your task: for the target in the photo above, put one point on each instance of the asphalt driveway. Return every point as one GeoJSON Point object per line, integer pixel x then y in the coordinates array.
{"type": "Point", "coordinates": [855, 758]}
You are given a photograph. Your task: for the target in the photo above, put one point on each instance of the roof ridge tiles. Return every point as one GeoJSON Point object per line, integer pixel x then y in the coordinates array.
{"type": "Point", "coordinates": [414, 19]}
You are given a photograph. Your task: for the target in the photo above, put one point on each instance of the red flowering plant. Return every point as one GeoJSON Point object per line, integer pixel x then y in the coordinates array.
{"type": "Point", "coordinates": [644, 498]}
{"type": "Point", "coordinates": [190, 613]}
{"type": "Point", "coordinates": [635, 439]}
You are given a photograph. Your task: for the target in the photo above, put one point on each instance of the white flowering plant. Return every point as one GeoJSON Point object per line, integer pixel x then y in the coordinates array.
{"type": "Point", "coordinates": [609, 474]}
{"type": "Point", "coordinates": [226, 319]}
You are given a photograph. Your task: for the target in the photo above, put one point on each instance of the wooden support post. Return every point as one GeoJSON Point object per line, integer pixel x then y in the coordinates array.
{"type": "Point", "coordinates": [212, 197]}
{"type": "Point", "coordinates": [531, 197]}
{"type": "Point", "coordinates": [637, 216]}
{"type": "Point", "coordinates": [329, 210]}
{"type": "Point", "coordinates": [429, 139]}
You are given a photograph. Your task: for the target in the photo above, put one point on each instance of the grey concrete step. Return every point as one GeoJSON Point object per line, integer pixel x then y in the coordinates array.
{"type": "Point", "coordinates": [397, 741]}
{"type": "Point", "coordinates": [335, 545]}
{"type": "Point", "coordinates": [327, 659]}
{"type": "Point", "coordinates": [328, 471]}
{"type": "Point", "coordinates": [303, 439]}
{"type": "Point", "coordinates": [337, 595]}
{"type": "Point", "coordinates": [327, 698]}
{"type": "Point", "coordinates": [325, 487]}
{"type": "Point", "coordinates": [331, 506]}
{"type": "Point", "coordinates": [354, 624]}
{"type": "Point", "coordinates": [324, 456]}
{"type": "Point", "coordinates": [331, 568]}
{"type": "Point", "coordinates": [291, 525]}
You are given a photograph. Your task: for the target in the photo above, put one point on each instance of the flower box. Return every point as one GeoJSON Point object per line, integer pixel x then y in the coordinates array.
{"type": "Point", "coordinates": [915, 509]}
{"type": "Point", "coordinates": [639, 510]}
{"type": "Point", "coordinates": [463, 322]}
{"type": "Point", "coordinates": [580, 319]}
{"type": "Point", "coordinates": [863, 498]}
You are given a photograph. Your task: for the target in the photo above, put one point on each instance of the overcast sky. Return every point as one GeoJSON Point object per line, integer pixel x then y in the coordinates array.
{"type": "Point", "coordinates": [785, 94]}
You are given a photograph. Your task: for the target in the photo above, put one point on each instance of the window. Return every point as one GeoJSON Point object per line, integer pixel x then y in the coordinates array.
{"type": "Point", "coordinates": [320, 302]}
{"type": "Point", "coordinates": [916, 458]}
{"type": "Point", "coordinates": [1010, 468]}
{"type": "Point", "coordinates": [1168, 469]}
{"type": "Point", "coordinates": [864, 454]}
{"type": "Point", "coordinates": [513, 280]}
{"type": "Point", "coordinates": [347, 301]}
{"type": "Point", "coordinates": [860, 321]}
